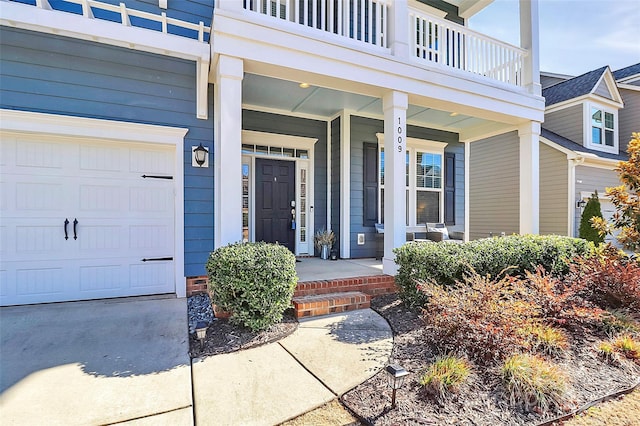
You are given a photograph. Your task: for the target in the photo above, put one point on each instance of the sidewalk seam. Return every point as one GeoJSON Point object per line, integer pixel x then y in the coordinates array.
{"type": "Point", "coordinates": [307, 370]}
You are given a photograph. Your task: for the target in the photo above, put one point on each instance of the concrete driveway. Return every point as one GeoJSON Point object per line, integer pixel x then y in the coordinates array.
{"type": "Point", "coordinates": [97, 362]}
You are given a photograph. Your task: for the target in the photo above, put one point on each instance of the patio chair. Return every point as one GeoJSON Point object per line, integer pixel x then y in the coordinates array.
{"type": "Point", "coordinates": [439, 232]}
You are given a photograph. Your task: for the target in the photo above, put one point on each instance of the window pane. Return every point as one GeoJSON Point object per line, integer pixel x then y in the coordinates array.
{"type": "Point", "coordinates": [596, 117]}
{"type": "Point", "coordinates": [428, 170]}
{"type": "Point", "coordinates": [596, 137]}
{"type": "Point", "coordinates": [608, 120]}
{"type": "Point", "coordinates": [261, 149]}
{"type": "Point", "coordinates": [381, 166]}
{"type": "Point", "coordinates": [302, 153]}
{"type": "Point", "coordinates": [608, 135]}
{"type": "Point", "coordinates": [406, 166]}
{"type": "Point", "coordinates": [288, 152]}
{"type": "Point", "coordinates": [406, 206]}
{"type": "Point", "coordinates": [247, 149]}
{"type": "Point", "coordinates": [427, 207]}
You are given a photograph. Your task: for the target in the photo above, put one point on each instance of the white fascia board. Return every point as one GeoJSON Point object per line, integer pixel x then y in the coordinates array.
{"type": "Point", "coordinates": [31, 18]}
{"type": "Point", "coordinates": [64, 125]}
{"type": "Point", "coordinates": [276, 53]}
{"type": "Point", "coordinates": [629, 87]}
{"type": "Point", "coordinates": [592, 160]}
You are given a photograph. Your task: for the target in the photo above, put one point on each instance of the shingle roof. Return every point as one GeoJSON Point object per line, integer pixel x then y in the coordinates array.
{"type": "Point", "coordinates": [573, 146]}
{"type": "Point", "coordinates": [572, 88]}
{"type": "Point", "coordinates": [627, 72]}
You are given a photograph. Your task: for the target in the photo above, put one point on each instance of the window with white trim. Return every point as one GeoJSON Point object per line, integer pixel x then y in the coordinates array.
{"type": "Point", "coordinates": [424, 181]}
{"type": "Point", "coordinates": [601, 133]}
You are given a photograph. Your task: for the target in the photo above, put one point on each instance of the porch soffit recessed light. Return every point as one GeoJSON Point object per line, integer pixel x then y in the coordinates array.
{"type": "Point", "coordinates": [453, 114]}
{"type": "Point", "coordinates": [304, 85]}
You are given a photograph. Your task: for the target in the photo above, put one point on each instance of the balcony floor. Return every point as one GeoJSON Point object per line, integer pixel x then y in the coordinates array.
{"type": "Point", "coordinates": [316, 269]}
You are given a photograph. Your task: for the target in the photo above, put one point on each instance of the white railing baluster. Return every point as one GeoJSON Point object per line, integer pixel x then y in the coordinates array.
{"type": "Point", "coordinates": [164, 22]}
{"type": "Point", "coordinates": [323, 15]}
{"type": "Point", "coordinates": [124, 16]}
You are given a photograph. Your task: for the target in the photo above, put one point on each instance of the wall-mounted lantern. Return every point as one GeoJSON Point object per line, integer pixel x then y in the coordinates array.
{"type": "Point", "coordinates": [200, 156]}
{"type": "Point", "coordinates": [580, 204]}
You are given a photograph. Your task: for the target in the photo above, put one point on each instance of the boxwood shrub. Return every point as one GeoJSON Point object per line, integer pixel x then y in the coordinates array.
{"type": "Point", "coordinates": [446, 263]}
{"type": "Point", "coordinates": [254, 281]}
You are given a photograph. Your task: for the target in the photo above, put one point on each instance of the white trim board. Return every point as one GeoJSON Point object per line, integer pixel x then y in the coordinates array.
{"type": "Point", "coordinates": [68, 126]}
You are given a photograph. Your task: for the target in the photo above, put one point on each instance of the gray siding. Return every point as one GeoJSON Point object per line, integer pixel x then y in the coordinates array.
{"type": "Point", "coordinates": [546, 81]}
{"type": "Point", "coordinates": [566, 122]}
{"type": "Point", "coordinates": [364, 130]}
{"type": "Point", "coordinates": [494, 186]}
{"type": "Point", "coordinates": [294, 126]}
{"type": "Point", "coordinates": [628, 117]}
{"type": "Point", "coordinates": [603, 90]}
{"type": "Point", "coordinates": [589, 180]}
{"type": "Point", "coordinates": [554, 187]}
{"type": "Point", "coordinates": [452, 11]}
{"type": "Point", "coordinates": [335, 180]}
{"type": "Point", "coordinates": [59, 75]}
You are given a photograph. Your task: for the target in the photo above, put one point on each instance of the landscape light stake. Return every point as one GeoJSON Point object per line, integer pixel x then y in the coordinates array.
{"type": "Point", "coordinates": [396, 376]}
{"type": "Point", "coordinates": [201, 332]}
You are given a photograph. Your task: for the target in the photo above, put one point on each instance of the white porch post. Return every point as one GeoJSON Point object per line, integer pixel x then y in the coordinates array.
{"type": "Point", "coordinates": [345, 185]}
{"type": "Point", "coordinates": [227, 150]}
{"type": "Point", "coordinates": [529, 40]}
{"type": "Point", "coordinates": [395, 106]}
{"type": "Point", "coordinates": [529, 134]}
{"type": "Point", "coordinates": [398, 28]}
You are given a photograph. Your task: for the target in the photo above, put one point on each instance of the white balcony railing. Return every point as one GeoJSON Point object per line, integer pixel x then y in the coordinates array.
{"type": "Point", "coordinates": [361, 20]}
{"type": "Point", "coordinates": [431, 39]}
{"type": "Point", "coordinates": [449, 44]}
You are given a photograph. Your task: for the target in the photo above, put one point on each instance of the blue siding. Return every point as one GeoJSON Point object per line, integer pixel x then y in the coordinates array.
{"type": "Point", "coordinates": [364, 130]}
{"type": "Point", "coordinates": [193, 11]}
{"type": "Point", "coordinates": [294, 126]}
{"type": "Point", "coordinates": [59, 75]}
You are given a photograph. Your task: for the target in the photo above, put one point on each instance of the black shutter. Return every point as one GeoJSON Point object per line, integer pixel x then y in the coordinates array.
{"type": "Point", "coordinates": [449, 188]}
{"type": "Point", "coordinates": [370, 183]}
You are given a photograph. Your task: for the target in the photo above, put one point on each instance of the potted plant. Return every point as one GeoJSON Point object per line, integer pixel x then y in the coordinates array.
{"type": "Point", "coordinates": [324, 239]}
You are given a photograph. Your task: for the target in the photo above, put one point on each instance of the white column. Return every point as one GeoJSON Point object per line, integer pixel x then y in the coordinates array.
{"type": "Point", "coordinates": [235, 5]}
{"type": "Point", "coordinates": [467, 180]}
{"type": "Point", "coordinates": [529, 134]}
{"type": "Point", "coordinates": [398, 23]}
{"type": "Point", "coordinates": [395, 106]}
{"type": "Point", "coordinates": [227, 150]}
{"type": "Point", "coordinates": [345, 185]}
{"type": "Point", "coordinates": [529, 40]}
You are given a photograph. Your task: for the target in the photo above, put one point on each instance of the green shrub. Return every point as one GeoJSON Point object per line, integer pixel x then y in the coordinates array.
{"type": "Point", "coordinates": [446, 374]}
{"type": "Point", "coordinates": [254, 281]}
{"type": "Point", "coordinates": [545, 339]}
{"type": "Point", "coordinates": [446, 263]}
{"type": "Point", "coordinates": [533, 383]}
{"type": "Point", "coordinates": [592, 209]}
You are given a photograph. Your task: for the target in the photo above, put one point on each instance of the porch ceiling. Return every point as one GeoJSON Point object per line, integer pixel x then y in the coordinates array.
{"type": "Point", "coordinates": [287, 96]}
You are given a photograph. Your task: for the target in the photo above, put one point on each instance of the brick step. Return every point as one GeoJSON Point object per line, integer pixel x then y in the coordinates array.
{"type": "Point", "coordinates": [324, 304]}
{"type": "Point", "coordinates": [372, 285]}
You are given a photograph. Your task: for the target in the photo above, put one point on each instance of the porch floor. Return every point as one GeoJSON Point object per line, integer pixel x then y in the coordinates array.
{"type": "Point", "coordinates": [316, 269]}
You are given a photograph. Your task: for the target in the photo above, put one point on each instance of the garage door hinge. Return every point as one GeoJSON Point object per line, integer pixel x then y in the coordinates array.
{"type": "Point", "coordinates": [156, 259]}
{"type": "Point", "coordinates": [156, 177]}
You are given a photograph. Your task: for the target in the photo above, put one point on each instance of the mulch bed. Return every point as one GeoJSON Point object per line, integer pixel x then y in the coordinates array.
{"type": "Point", "coordinates": [224, 337]}
{"type": "Point", "coordinates": [481, 401]}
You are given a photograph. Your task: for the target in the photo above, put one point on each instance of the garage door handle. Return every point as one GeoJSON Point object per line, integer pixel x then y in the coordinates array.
{"type": "Point", "coordinates": [75, 223]}
{"type": "Point", "coordinates": [66, 223]}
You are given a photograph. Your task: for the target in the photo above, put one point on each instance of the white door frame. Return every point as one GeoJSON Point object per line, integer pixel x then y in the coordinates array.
{"type": "Point", "coordinates": [27, 122]}
{"type": "Point", "coordinates": [285, 141]}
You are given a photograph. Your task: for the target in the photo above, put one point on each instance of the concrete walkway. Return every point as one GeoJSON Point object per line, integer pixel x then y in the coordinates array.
{"type": "Point", "coordinates": [267, 385]}
{"type": "Point", "coordinates": [98, 362]}
{"type": "Point", "coordinates": [125, 361]}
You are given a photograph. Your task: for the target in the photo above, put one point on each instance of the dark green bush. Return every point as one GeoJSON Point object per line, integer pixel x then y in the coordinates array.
{"type": "Point", "coordinates": [446, 263]}
{"type": "Point", "coordinates": [592, 209]}
{"type": "Point", "coordinates": [254, 281]}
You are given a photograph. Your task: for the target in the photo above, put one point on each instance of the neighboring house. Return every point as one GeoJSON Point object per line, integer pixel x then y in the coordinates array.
{"type": "Point", "coordinates": [588, 124]}
{"type": "Point", "coordinates": [316, 114]}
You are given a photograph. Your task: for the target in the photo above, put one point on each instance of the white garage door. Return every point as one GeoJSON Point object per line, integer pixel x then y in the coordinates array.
{"type": "Point", "coordinates": [79, 220]}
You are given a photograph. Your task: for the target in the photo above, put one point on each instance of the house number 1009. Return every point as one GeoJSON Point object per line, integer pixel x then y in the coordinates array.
{"type": "Point", "coordinates": [399, 131]}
